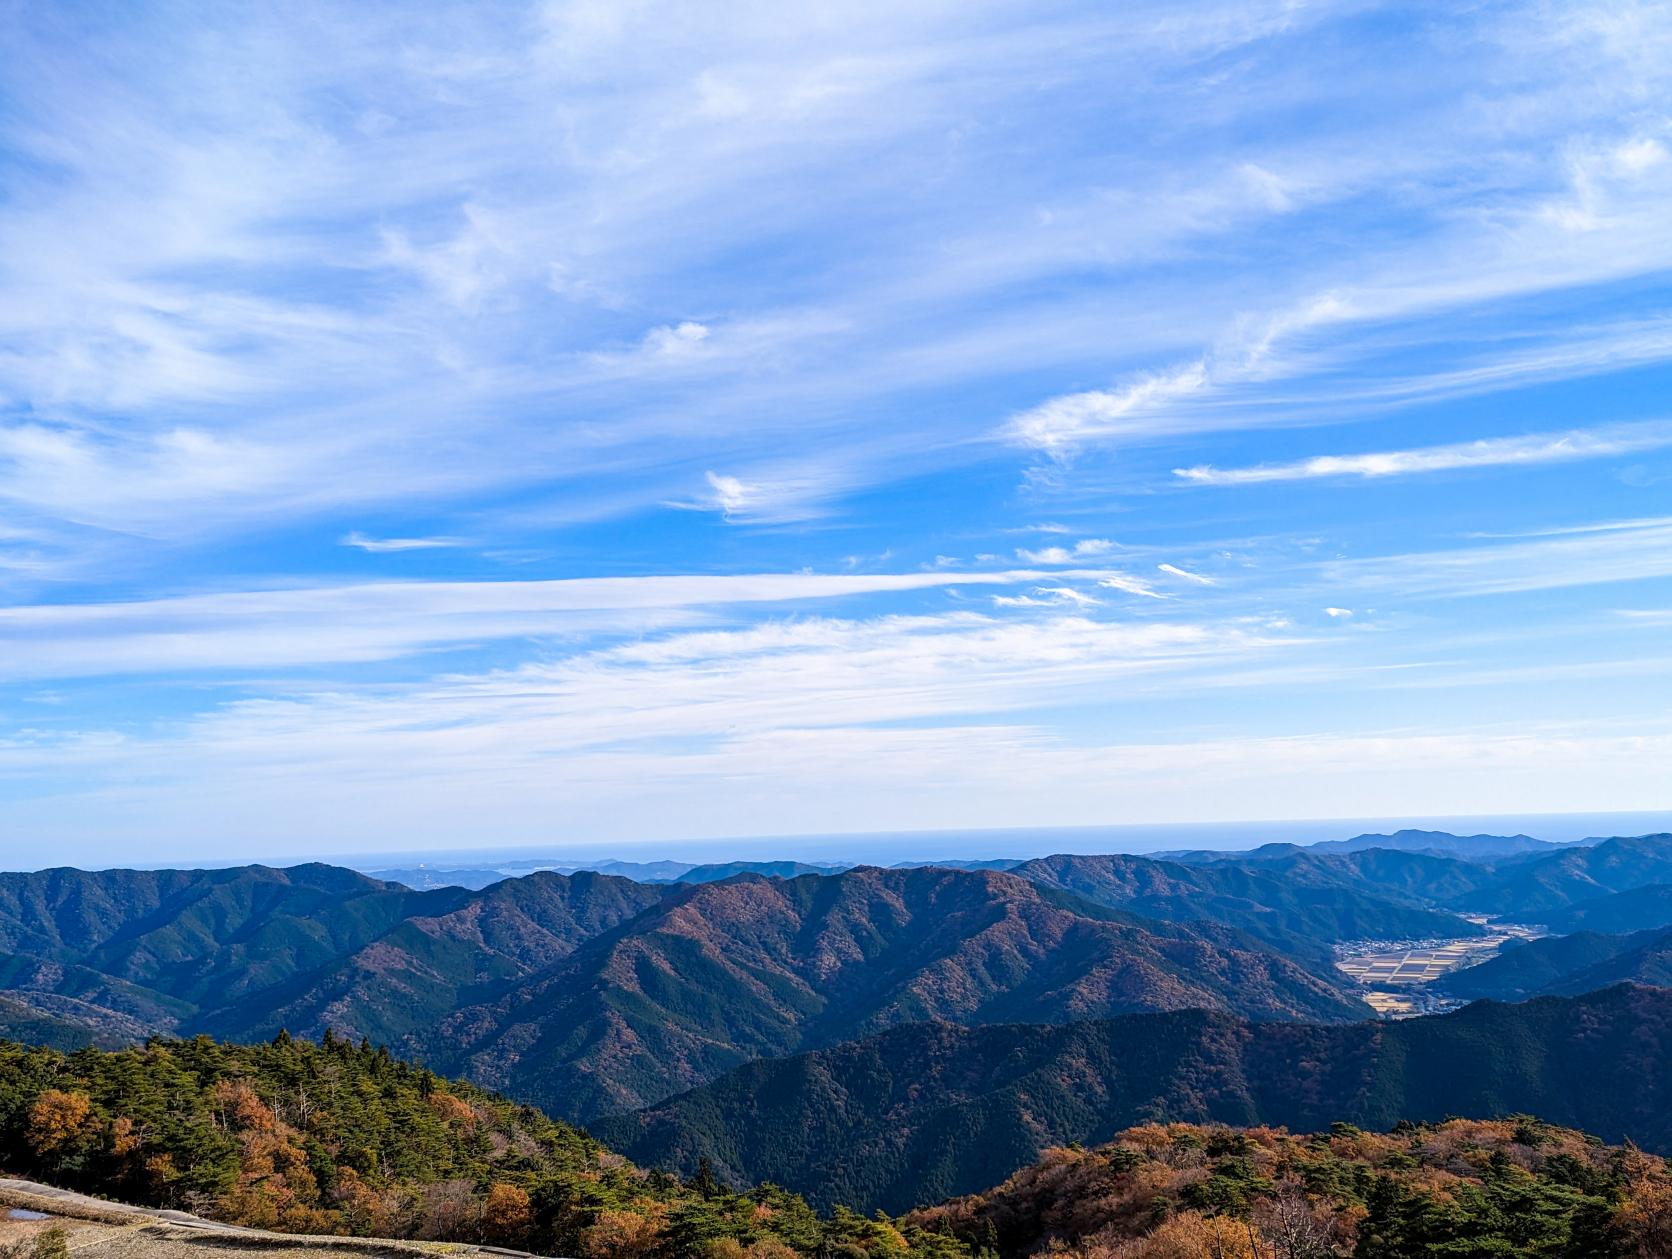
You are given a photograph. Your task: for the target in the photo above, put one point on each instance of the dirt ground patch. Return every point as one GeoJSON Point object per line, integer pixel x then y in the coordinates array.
{"type": "Point", "coordinates": [107, 1230]}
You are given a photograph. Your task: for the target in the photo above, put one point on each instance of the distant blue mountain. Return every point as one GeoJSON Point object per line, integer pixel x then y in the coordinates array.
{"type": "Point", "coordinates": [1441, 844]}
{"type": "Point", "coordinates": [1432, 843]}
{"type": "Point", "coordinates": [428, 878]}
{"type": "Point", "coordinates": [769, 869]}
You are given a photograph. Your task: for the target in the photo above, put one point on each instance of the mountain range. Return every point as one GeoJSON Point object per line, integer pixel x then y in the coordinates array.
{"type": "Point", "coordinates": [717, 974]}
{"type": "Point", "coordinates": [593, 993]}
{"type": "Point", "coordinates": [898, 1032]}
{"type": "Point", "coordinates": [475, 878]}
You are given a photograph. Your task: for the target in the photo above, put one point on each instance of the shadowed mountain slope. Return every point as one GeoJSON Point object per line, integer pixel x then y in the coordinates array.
{"type": "Point", "coordinates": [922, 1111]}
{"type": "Point", "coordinates": [1648, 961]}
{"type": "Point", "coordinates": [1533, 890]}
{"type": "Point", "coordinates": [1641, 909]}
{"type": "Point", "coordinates": [1538, 966]}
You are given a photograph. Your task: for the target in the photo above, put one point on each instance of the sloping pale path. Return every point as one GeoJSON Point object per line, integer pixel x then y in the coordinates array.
{"type": "Point", "coordinates": [114, 1230]}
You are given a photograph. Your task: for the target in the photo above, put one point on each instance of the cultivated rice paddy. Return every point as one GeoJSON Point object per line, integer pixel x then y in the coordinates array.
{"type": "Point", "coordinates": [1398, 973]}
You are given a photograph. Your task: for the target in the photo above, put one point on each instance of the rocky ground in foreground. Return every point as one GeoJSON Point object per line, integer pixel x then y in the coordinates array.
{"type": "Point", "coordinates": [31, 1214]}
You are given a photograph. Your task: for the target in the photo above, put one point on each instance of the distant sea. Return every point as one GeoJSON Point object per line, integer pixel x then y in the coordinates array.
{"type": "Point", "coordinates": [890, 847]}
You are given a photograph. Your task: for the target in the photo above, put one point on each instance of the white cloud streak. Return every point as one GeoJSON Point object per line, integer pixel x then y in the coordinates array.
{"type": "Point", "coordinates": [1174, 570]}
{"type": "Point", "coordinates": [1495, 452]}
{"type": "Point", "coordinates": [1085, 549]}
{"type": "Point", "coordinates": [300, 627]}
{"type": "Point", "coordinates": [379, 546]}
{"type": "Point", "coordinates": [1047, 597]}
{"type": "Point", "coordinates": [1621, 552]}
{"type": "Point", "coordinates": [1130, 585]}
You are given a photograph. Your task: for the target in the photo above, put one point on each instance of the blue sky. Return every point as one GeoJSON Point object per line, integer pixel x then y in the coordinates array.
{"type": "Point", "coordinates": [593, 422]}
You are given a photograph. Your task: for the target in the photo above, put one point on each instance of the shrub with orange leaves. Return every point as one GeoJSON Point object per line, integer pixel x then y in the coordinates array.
{"type": "Point", "coordinates": [453, 1109]}
{"type": "Point", "coordinates": [620, 1235]}
{"type": "Point", "coordinates": [1189, 1235]}
{"type": "Point", "coordinates": [240, 1107]}
{"type": "Point", "coordinates": [1645, 1219]}
{"type": "Point", "coordinates": [507, 1215]}
{"type": "Point", "coordinates": [59, 1121]}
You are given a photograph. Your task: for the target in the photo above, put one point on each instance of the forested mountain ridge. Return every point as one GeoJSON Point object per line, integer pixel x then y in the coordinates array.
{"type": "Point", "coordinates": [930, 1110]}
{"type": "Point", "coordinates": [655, 872]}
{"type": "Point", "coordinates": [133, 923]}
{"type": "Point", "coordinates": [1431, 843]}
{"type": "Point", "coordinates": [872, 1037]}
{"type": "Point", "coordinates": [1533, 886]}
{"type": "Point", "coordinates": [1648, 961]}
{"type": "Point", "coordinates": [1272, 904]}
{"type": "Point", "coordinates": [346, 1139]}
{"type": "Point", "coordinates": [1460, 1188]}
{"type": "Point", "coordinates": [1551, 884]}
{"type": "Point", "coordinates": [425, 967]}
{"type": "Point", "coordinates": [1540, 967]}
{"type": "Point", "coordinates": [1530, 884]}
{"type": "Point", "coordinates": [1441, 844]}
{"type": "Point", "coordinates": [244, 951]}
{"type": "Point", "coordinates": [595, 993]}
{"type": "Point", "coordinates": [719, 973]}
{"type": "Point", "coordinates": [335, 1138]}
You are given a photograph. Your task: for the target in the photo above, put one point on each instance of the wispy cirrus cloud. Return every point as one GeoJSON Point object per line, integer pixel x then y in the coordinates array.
{"type": "Point", "coordinates": [1048, 597]}
{"type": "Point", "coordinates": [314, 626]}
{"type": "Point", "coordinates": [692, 695]}
{"type": "Point", "coordinates": [1594, 443]}
{"type": "Point", "coordinates": [1615, 552]}
{"type": "Point", "coordinates": [1128, 584]}
{"type": "Point", "coordinates": [774, 495]}
{"type": "Point", "coordinates": [1173, 570]}
{"type": "Point", "coordinates": [1284, 365]}
{"type": "Point", "coordinates": [380, 546]}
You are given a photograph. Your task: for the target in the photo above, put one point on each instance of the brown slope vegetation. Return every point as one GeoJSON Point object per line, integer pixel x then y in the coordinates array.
{"type": "Point", "coordinates": [63, 1022]}
{"type": "Point", "coordinates": [721, 973]}
{"type": "Point", "coordinates": [1462, 1187]}
{"type": "Point", "coordinates": [336, 1141]}
{"type": "Point", "coordinates": [418, 972]}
